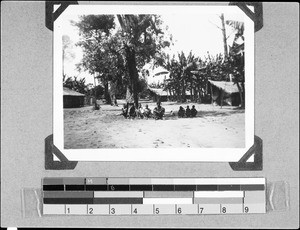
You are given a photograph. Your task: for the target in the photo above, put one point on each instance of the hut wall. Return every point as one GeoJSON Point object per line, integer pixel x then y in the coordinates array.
{"type": "Point", "coordinates": [73, 101]}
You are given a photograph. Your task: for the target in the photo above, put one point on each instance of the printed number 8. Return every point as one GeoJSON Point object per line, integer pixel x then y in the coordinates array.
{"type": "Point", "coordinates": [224, 209]}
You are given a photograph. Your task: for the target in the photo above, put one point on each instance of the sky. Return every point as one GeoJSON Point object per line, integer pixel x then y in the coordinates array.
{"type": "Point", "coordinates": [194, 31]}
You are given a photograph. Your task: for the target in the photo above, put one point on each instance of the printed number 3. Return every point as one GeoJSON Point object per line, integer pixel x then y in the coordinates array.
{"type": "Point", "coordinates": [112, 211]}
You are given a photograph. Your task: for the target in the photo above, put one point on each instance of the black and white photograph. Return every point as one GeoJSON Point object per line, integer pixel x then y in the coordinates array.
{"type": "Point", "coordinates": [154, 78]}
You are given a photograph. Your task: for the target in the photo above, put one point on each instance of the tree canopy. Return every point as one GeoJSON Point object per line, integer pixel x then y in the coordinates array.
{"type": "Point", "coordinates": [118, 52]}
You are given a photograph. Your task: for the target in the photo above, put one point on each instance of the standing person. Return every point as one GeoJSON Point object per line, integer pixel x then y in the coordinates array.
{"type": "Point", "coordinates": [181, 112]}
{"type": "Point", "coordinates": [193, 111]}
{"type": "Point", "coordinates": [147, 111]}
{"type": "Point", "coordinates": [188, 112]}
{"type": "Point", "coordinates": [158, 111]}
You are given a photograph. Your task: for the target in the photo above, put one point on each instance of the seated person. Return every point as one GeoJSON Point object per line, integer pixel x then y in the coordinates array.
{"type": "Point", "coordinates": [158, 111]}
{"type": "Point", "coordinates": [124, 110]}
{"type": "Point", "coordinates": [132, 112]}
{"type": "Point", "coordinates": [193, 111]}
{"type": "Point", "coordinates": [147, 111]}
{"type": "Point", "coordinates": [188, 112]}
{"type": "Point", "coordinates": [181, 112]}
{"type": "Point", "coordinates": [140, 111]}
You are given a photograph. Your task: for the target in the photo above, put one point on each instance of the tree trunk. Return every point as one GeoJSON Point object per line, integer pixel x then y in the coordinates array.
{"type": "Point", "coordinates": [224, 35]}
{"type": "Point", "coordinates": [222, 96]}
{"type": "Point", "coordinates": [241, 95]}
{"type": "Point", "coordinates": [183, 97]}
{"type": "Point", "coordinates": [106, 93]}
{"type": "Point", "coordinates": [211, 94]}
{"type": "Point", "coordinates": [133, 73]}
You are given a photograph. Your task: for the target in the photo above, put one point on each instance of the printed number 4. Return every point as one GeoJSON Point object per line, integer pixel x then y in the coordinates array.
{"type": "Point", "coordinates": [135, 211]}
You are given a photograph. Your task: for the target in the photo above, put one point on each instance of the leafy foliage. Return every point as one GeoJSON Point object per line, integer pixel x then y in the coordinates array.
{"type": "Point", "coordinates": [118, 53]}
{"type": "Point", "coordinates": [74, 84]}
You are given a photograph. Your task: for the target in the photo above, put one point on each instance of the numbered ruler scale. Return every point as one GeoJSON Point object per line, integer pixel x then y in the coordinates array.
{"type": "Point", "coordinates": [153, 196]}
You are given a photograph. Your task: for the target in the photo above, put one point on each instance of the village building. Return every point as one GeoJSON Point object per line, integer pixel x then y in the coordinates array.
{"type": "Point", "coordinates": [72, 99]}
{"type": "Point", "coordinates": [225, 93]}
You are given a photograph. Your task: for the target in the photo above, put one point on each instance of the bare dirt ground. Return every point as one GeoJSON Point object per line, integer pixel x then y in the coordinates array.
{"type": "Point", "coordinates": [214, 127]}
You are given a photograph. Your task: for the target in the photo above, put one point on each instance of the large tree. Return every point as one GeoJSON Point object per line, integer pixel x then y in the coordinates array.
{"type": "Point", "coordinates": [117, 53]}
{"type": "Point", "coordinates": [100, 56]}
{"type": "Point", "coordinates": [142, 38]}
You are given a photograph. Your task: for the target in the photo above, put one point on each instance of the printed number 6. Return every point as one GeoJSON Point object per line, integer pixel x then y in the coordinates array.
{"type": "Point", "coordinates": [179, 211]}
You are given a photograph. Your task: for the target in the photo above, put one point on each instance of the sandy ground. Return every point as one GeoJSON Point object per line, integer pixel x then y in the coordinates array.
{"type": "Point", "coordinates": [213, 127]}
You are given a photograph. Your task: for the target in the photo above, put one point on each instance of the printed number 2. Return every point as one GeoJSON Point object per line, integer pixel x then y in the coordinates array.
{"type": "Point", "coordinates": [91, 211]}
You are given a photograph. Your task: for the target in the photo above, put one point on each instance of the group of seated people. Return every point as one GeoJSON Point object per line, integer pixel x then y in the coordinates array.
{"type": "Point", "coordinates": [129, 111]}
{"type": "Point", "coordinates": [188, 112]}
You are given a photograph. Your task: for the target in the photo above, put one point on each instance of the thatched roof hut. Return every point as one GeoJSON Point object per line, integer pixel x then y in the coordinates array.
{"type": "Point", "coordinates": [72, 99]}
{"type": "Point", "coordinates": [225, 92]}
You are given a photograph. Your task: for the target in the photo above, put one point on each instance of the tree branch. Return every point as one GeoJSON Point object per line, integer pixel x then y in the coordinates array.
{"type": "Point", "coordinates": [215, 25]}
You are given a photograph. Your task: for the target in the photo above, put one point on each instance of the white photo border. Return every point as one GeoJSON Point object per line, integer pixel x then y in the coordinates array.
{"type": "Point", "coordinates": [153, 154]}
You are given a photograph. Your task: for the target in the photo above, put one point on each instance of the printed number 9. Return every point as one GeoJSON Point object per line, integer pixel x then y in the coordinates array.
{"type": "Point", "coordinates": [246, 209]}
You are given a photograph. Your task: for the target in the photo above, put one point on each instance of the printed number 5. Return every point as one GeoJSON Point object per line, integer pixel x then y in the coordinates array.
{"type": "Point", "coordinates": [157, 211]}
